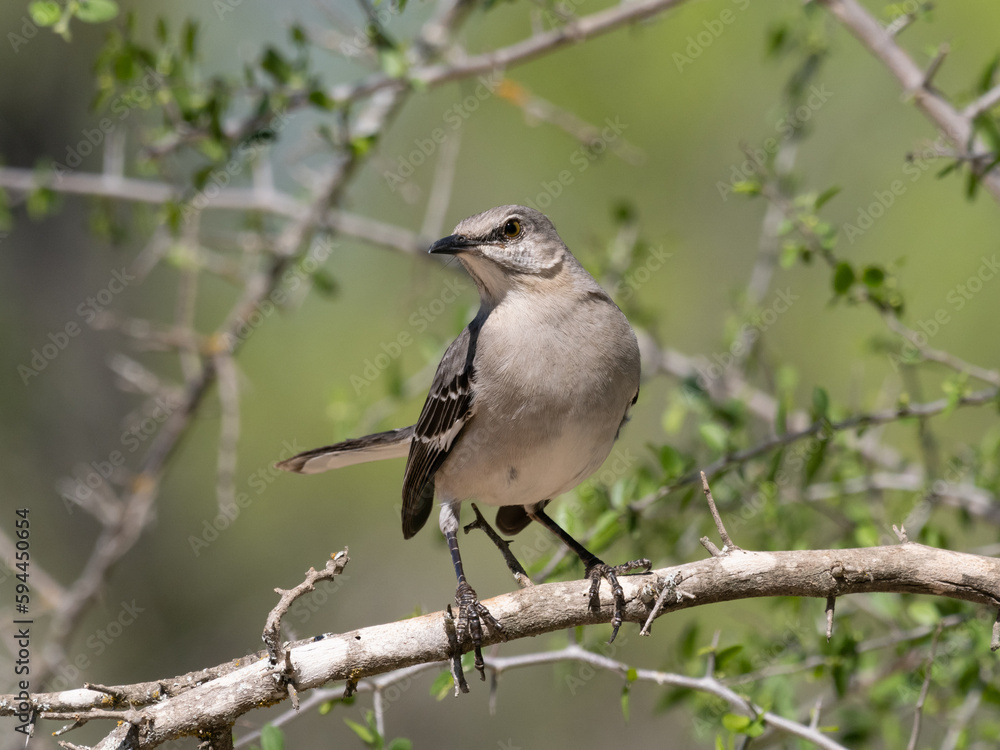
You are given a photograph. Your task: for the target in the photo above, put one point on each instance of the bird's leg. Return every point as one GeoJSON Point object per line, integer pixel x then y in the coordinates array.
{"type": "Point", "coordinates": [595, 569]}
{"type": "Point", "coordinates": [470, 612]}
{"type": "Point", "coordinates": [516, 569]}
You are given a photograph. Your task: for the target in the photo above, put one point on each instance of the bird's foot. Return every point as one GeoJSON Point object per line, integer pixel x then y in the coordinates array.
{"type": "Point", "coordinates": [598, 571]}
{"type": "Point", "coordinates": [469, 627]}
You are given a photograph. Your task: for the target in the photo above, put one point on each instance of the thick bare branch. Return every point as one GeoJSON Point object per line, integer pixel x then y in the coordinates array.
{"type": "Point", "coordinates": [246, 684]}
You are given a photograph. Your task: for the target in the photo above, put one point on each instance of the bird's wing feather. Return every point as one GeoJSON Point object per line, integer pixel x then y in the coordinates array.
{"type": "Point", "coordinates": [448, 408]}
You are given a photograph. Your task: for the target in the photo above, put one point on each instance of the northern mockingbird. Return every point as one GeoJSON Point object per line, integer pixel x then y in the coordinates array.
{"type": "Point", "coordinates": [525, 404]}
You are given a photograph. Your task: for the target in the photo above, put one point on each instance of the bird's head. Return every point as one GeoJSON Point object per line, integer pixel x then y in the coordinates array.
{"type": "Point", "coordinates": [507, 248]}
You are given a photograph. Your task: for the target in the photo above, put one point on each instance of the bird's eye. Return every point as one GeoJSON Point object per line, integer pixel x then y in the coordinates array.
{"type": "Point", "coordinates": [512, 229]}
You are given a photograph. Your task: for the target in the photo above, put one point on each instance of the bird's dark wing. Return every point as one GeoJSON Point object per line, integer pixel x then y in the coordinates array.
{"type": "Point", "coordinates": [447, 409]}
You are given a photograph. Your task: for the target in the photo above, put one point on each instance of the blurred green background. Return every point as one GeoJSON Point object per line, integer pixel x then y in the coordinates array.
{"type": "Point", "coordinates": [688, 124]}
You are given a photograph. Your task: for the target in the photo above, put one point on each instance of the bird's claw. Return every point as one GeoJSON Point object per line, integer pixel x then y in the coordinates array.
{"type": "Point", "coordinates": [597, 572]}
{"type": "Point", "coordinates": [469, 626]}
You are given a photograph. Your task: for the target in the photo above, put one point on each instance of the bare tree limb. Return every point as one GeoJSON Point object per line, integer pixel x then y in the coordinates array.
{"type": "Point", "coordinates": [956, 126]}
{"type": "Point", "coordinates": [231, 690]}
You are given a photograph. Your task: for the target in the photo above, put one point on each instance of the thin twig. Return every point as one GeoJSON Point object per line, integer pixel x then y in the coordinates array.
{"type": "Point", "coordinates": [277, 654]}
{"type": "Point", "coordinates": [707, 684]}
{"type": "Point", "coordinates": [918, 713]}
{"type": "Point", "coordinates": [885, 416]}
{"type": "Point", "coordinates": [727, 543]}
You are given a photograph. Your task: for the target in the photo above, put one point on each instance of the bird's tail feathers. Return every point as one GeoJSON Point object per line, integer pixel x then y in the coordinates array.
{"type": "Point", "coordinates": [381, 445]}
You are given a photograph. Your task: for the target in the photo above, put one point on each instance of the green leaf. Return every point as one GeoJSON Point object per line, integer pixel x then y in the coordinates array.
{"type": "Point", "coordinates": [6, 219]}
{"type": "Point", "coordinates": [271, 738]}
{"type": "Point", "coordinates": [815, 459]}
{"type": "Point", "coordinates": [400, 743]}
{"type": "Point", "coordinates": [363, 144]}
{"type": "Point", "coordinates": [873, 276]}
{"type": "Point", "coordinates": [971, 185]}
{"type": "Point", "coordinates": [44, 13]}
{"type": "Point", "coordinates": [777, 37]}
{"type": "Point", "coordinates": [987, 127]}
{"type": "Point", "coordinates": [673, 417]}
{"type": "Point", "coordinates": [190, 39]}
{"type": "Point", "coordinates": [724, 655]}
{"type": "Point", "coordinates": [606, 529]}
{"type": "Point", "coordinates": [367, 735]}
{"type": "Point", "coordinates": [124, 68]}
{"type": "Point", "coordinates": [442, 685]}
{"type": "Point", "coordinates": [393, 62]}
{"type": "Point", "coordinates": [96, 11]}
{"type": "Point", "coordinates": [791, 251]}
{"type": "Point", "coordinates": [746, 187]}
{"type": "Point", "coordinates": [714, 436]}
{"type": "Point", "coordinates": [781, 417]}
{"type": "Point", "coordinates": [41, 201]}
{"type": "Point", "coordinates": [275, 64]}
{"type": "Point", "coordinates": [951, 167]}
{"type": "Point", "coordinates": [843, 277]}
{"type": "Point", "coordinates": [325, 283]}
{"type": "Point", "coordinates": [318, 98]}
{"type": "Point", "coordinates": [988, 75]}
{"type": "Point", "coordinates": [625, 692]}
{"type": "Point", "coordinates": [923, 612]}
{"type": "Point", "coordinates": [632, 674]}
{"type": "Point", "coordinates": [672, 462]}
{"type": "Point", "coordinates": [821, 402]}
{"type": "Point", "coordinates": [736, 723]}
{"type": "Point", "coordinates": [826, 196]}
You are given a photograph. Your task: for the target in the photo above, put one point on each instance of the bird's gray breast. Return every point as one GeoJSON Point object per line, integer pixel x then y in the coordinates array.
{"type": "Point", "coordinates": [552, 385]}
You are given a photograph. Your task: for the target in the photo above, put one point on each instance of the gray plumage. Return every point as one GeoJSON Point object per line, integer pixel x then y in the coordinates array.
{"type": "Point", "coordinates": [528, 400]}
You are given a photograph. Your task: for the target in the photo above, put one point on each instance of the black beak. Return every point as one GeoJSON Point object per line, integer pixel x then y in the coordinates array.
{"type": "Point", "coordinates": [453, 244]}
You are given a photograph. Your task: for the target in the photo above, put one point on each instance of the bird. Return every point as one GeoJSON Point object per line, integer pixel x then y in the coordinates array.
{"type": "Point", "coordinates": [525, 404]}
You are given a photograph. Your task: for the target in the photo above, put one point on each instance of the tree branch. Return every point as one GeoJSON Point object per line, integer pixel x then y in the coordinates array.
{"type": "Point", "coordinates": [954, 125]}
{"type": "Point", "coordinates": [233, 689]}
